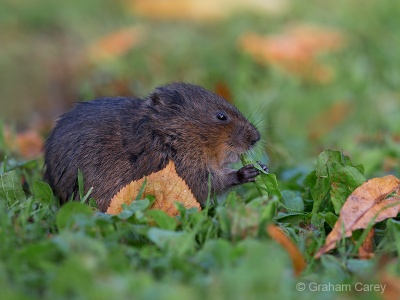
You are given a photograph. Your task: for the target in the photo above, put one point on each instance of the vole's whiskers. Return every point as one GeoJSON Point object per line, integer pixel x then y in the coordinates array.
{"type": "Point", "coordinates": [252, 115]}
{"type": "Point", "coordinates": [257, 115]}
{"type": "Point", "coordinates": [271, 147]}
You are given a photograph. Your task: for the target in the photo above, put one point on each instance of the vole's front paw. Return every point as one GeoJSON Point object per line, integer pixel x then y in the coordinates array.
{"type": "Point", "coordinates": [247, 174]}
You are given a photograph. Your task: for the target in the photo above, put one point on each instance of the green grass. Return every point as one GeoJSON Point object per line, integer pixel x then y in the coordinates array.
{"type": "Point", "coordinates": [223, 252]}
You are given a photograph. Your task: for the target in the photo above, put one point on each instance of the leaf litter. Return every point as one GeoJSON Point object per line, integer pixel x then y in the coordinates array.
{"type": "Point", "coordinates": [374, 201]}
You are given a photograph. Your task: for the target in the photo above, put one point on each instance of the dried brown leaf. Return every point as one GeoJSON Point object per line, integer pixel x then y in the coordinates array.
{"type": "Point", "coordinates": [165, 185]}
{"type": "Point", "coordinates": [368, 203]}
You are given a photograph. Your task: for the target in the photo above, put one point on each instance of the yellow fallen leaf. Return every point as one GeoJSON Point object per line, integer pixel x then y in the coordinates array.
{"type": "Point", "coordinates": [165, 185]}
{"type": "Point", "coordinates": [368, 203]}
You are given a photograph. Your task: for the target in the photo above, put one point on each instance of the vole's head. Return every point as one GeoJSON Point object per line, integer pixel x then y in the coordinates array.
{"type": "Point", "coordinates": [200, 123]}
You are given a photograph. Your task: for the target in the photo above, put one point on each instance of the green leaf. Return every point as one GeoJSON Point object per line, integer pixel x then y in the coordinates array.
{"type": "Point", "coordinates": [311, 179]}
{"type": "Point", "coordinates": [293, 218]}
{"type": "Point", "coordinates": [70, 243]}
{"type": "Point", "coordinates": [266, 183]}
{"type": "Point", "coordinates": [163, 220]}
{"type": "Point", "coordinates": [270, 210]}
{"type": "Point", "coordinates": [178, 241]}
{"type": "Point", "coordinates": [70, 212]}
{"type": "Point", "coordinates": [42, 192]}
{"type": "Point", "coordinates": [292, 201]}
{"type": "Point", "coordinates": [320, 193]}
{"type": "Point", "coordinates": [38, 254]}
{"type": "Point", "coordinates": [344, 180]}
{"type": "Point", "coordinates": [360, 266]}
{"type": "Point", "coordinates": [319, 219]}
{"type": "Point", "coordinates": [11, 188]}
{"type": "Point", "coordinates": [216, 253]}
{"type": "Point", "coordinates": [333, 269]}
{"type": "Point", "coordinates": [133, 208]}
{"type": "Point", "coordinates": [337, 178]}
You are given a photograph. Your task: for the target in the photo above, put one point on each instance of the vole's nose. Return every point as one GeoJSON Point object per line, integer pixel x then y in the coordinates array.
{"type": "Point", "coordinates": [255, 137]}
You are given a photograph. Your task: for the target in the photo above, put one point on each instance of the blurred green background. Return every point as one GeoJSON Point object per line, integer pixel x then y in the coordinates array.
{"type": "Point", "coordinates": [312, 75]}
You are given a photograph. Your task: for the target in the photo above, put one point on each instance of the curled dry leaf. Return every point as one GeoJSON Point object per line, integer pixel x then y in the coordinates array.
{"type": "Point", "coordinates": [165, 185]}
{"type": "Point", "coordinates": [368, 203]}
{"type": "Point", "coordinates": [279, 236]}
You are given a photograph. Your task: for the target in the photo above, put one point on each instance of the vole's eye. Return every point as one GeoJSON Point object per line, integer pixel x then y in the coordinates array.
{"type": "Point", "coordinates": [221, 116]}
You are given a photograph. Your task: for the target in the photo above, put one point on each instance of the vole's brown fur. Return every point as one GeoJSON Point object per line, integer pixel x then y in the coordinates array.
{"type": "Point", "coordinates": [114, 141]}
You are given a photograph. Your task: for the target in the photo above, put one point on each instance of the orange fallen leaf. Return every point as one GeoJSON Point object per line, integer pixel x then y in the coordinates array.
{"type": "Point", "coordinates": [165, 185]}
{"type": "Point", "coordinates": [368, 203]}
{"type": "Point", "coordinates": [295, 50]}
{"type": "Point", "coordinates": [116, 43]}
{"type": "Point", "coordinates": [315, 39]}
{"type": "Point", "coordinates": [278, 235]}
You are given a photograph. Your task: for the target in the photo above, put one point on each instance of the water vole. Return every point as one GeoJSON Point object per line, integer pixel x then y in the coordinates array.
{"type": "Point", "coordinates": [114, 141]}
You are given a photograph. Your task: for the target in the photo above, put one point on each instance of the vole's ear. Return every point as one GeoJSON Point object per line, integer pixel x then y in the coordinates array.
{"type": "Point", "coordinates": [166, 97]}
